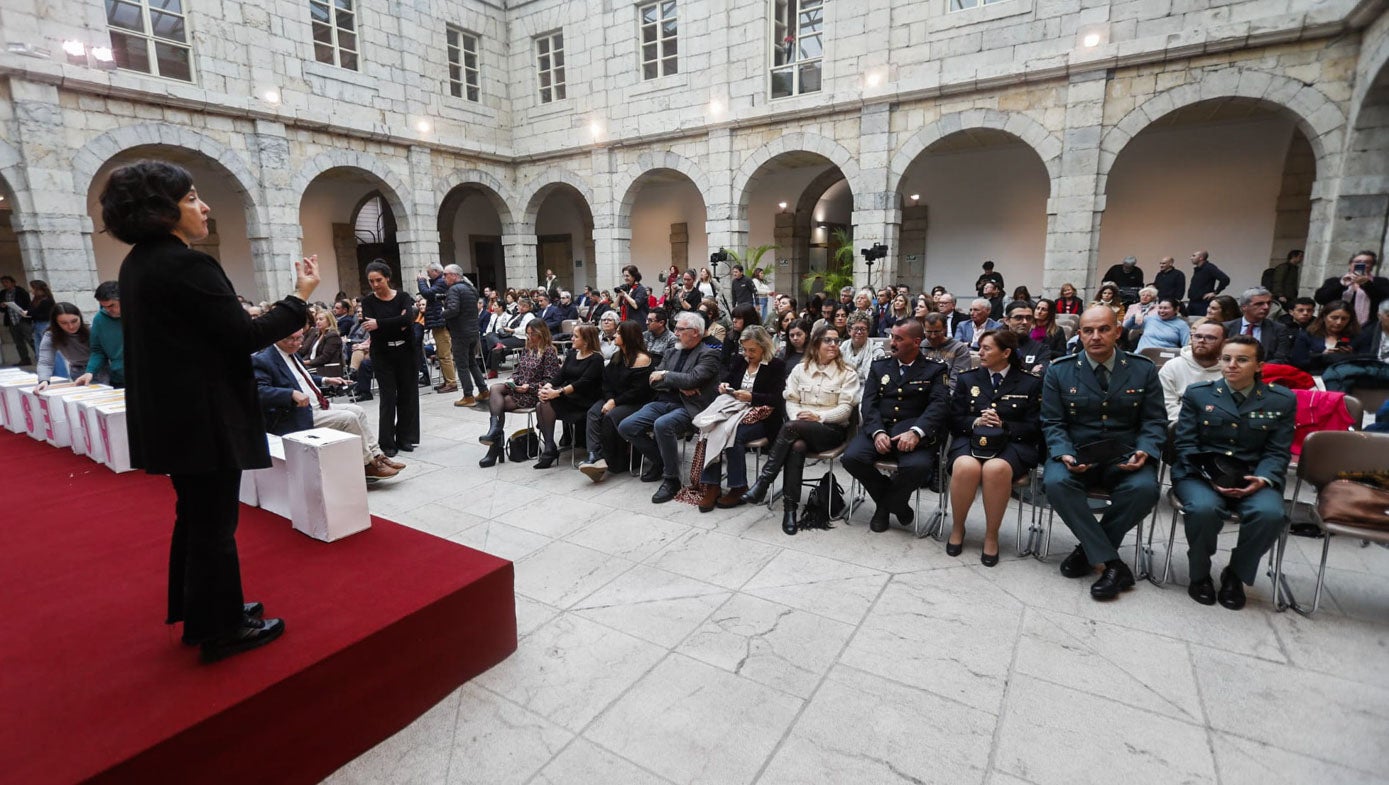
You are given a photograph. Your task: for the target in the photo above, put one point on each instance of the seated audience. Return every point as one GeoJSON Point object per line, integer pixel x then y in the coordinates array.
{"type": "Point", "coordinates": [1328, 339]}
{"type": "Point", "coordinates": [1068, 302]}
{"type": "Point", "coordinates": [859, 352]}
{"type": "Point", "coordinates": [1165, 328]}
{"type": "Point", "coordinates": [326, 348]}
{"type": "Point", "coordinates": [1300, 314]}
{"type": "Point", "coordinates": [1221, 308]}
{"type": "Point", "coordinates": [1360, 287]}
{"type": "Point", "coordinates": [793, 343]}
{"type": "Point", "coordinates": [1034, 355]}
{"type": "Point", "coordinates": [939, 346]}
{"type": "Point", "coordinates": [1254, 305]}
{"type": "Point", "coordinates": [571, 392]}
{"type": "Point", "coordinates": [626, 388]}
{"type": "Point", "coordinates": [994, 295]}
{"type": "Point", "coordinates": [995, 419]}
{"type": "Point", "coordinates": [757, 379]}
{"type": "Point", "coordinates": [607, 333]}
{"type": "Point", "coordinates": [1369, 363]}
{"type": "Point", "coordinates": [510, 335]}
{"type": "Point", "coordinates": [1145, 306]}
{"type": "Point", "coordinates": [538, 363]}
{"type": "Point", "coordinates": [1045, 328]}
{"type": "Point", "coordinates": [1021, 294]}
{"type": "Point", "coordinates": [969, 331]}
{"type": "Point", "coordinates": [1199, 362]}
{"type": "Point", "coordinates": [658, 339]}
{"type": "Point", "coordinates": [744, 316]}
{"type": "Point", "coordinates": [1108, 297]}
{"type": "Point", "coordinates": [945, 306]}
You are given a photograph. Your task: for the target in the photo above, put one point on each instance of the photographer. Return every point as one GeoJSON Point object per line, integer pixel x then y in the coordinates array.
{"type": "Point", "coordinates": [632, 297]}
{"type": "Point", "coordinates": [686, 297]}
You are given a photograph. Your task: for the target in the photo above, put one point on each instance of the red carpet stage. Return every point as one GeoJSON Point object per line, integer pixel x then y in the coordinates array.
{"type": "Point", "coordinates": [94, 687]}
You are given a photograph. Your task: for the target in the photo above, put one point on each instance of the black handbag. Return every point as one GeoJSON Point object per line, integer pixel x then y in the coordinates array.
{"type": "Point", "coordinates": [523, 445]}
{"type": "Point", "coordinates": [987, 442]}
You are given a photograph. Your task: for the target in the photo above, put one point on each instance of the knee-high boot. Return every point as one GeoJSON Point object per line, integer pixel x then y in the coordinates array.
{"type": "Point", "coordinates": [758, 490]}
{"type": "Point", "coordinates": [791, 491]}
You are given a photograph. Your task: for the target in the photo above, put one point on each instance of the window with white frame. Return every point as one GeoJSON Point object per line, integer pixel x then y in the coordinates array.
{"type": "Point", "coordinates": [962, 5]}
{"type": "Point", "coordinates": [334, 25]}
{"type": "Point", "coordinates": [150, 36]}
{"type": "Point", "coordinates": [659, 50]}
{"type": "Point", "coordinates": [463, 69]}
{"type": "Point", "coordinates": [549, 63]}
{"type": "Point", "coordinates": [798, 46]}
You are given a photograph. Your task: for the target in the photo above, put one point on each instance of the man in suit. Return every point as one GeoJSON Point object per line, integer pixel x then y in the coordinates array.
{"type": "Point", "coordinates": [686, 382]}
{"type": "Point", "coordinates": [342, 314]}
{"type": "Point", "coordinates": [1207, 281]}
{"type": "Point", "coordinates": [550, 314]}
{"type": "Point", "coordinates": [1102, 393]}
{"type": "Point", "coordinates": [1276, 339]}
{"type": "Point", "coordinates": [906, 400]}
{"type": "Point", "coordinates": [1243, 418]}
{"type": "Point", "coordinates": [460, 317]}
{"type": "Point", "coordinates": [945, 306]}
{"type": "Point", "coordinates": [1035, 355]}
{"type": "Point", "coordinates": [979, 320]}
{"type": "Point", "coordinates": [292, 400]}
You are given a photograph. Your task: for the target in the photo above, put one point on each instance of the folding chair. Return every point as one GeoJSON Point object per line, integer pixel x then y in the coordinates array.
{"type": "Point", "coordinates": [1160, 356]}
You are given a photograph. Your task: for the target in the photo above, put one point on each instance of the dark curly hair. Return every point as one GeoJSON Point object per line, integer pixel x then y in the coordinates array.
{"type": "Point", "coordinates": [141, 201]}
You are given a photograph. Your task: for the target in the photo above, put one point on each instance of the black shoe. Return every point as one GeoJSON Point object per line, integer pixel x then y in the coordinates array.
{"type": "Point", "coordinates": [389, 452]}
{"type": "Point", "coordinates": [252, 634]}
{"type": "Point", "coordinates": [404, 447]}
{"type": "Point", "coordinates": [880, 521]}
{"type": "Point", "coordinates": [789, 525]}
{"type": "Point", "coordinates": [905, 515]}
{"type": "Point", "coordinates": [1231, 590]}
{"type": "Point", "coordinates": [495, 454]}
{"type": "Point", "coordinates": [954, 548]}
{"type": "Point", "coordinates": [365, 397]}
{"type": "Point", "coordinates": [988, 559]}
{"type": "Point", "coordinates": [1077, 565]}
{"type": "Point", "coordinates": [669, 487]}
{"type": "Point", "coordinates": [250, 610]}
{"type": "Point", "coordinates": [1112, 581]}
{"type": "Point", "coordinates": [494, 432]}
{"type": "Point", "coordinates": [653, 474]}
{"type": "Point", "coordinates": [546, 459]}
{"type": "Point", "coordinates": [1203, 591]}
{"type": "Point", "coordinates": [566, 441]}
{"type": "Point", "coordinates": [757, 492]}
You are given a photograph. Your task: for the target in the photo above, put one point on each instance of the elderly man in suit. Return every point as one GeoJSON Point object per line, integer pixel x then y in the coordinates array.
{"type": "Point", "coordinates": [968, 332]}
{"type": "Point", "coordinates": [906, 400]}
{"type": "Point", "coordinates": [292, 400]}
{"type": "Point", "coordinates": [1277, 340]}
{"type": "Point", "coordinates": [1102, 397]}
{"type": "Point", "coordinates": [686, 382]}
{"type": "Point", "coordinates": [1252, 422]}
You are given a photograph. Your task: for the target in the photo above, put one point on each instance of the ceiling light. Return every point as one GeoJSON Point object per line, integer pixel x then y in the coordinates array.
{"type": "Point", "coordinates": [271, 96]}
{"type": "Point", "coordinates": [423, 126]}
{"type": "Point", "coordinates": [915, 197]}
{"type": "Point", "coordinates": [782, 205]}
{"type": "Point", "coordinates": [1091, 40]}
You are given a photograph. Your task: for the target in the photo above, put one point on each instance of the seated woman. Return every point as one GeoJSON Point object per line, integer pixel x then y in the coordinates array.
{"type": "Point", "coordinates": [821, 394]}
{"type": "Point", "coordinates": [714, 329]}
{"type": "Point", "coordinates": [759, 379]}
{"type": "Point", "coordinates": [1327, 340]}
{"type": "Point", "coordinates": [1022, 295]}
{"type": "Point", "coordinates": [793, 344]}
{"type": "Point", "coordinates": [744, 316]}
{"type": "Point", "coordinates": [626, 388]}
{"type": "Point", "coordinates": [326, 349]}
{"type": "Point", "coordinates": [894, 314]}
{"type": "Point", "coordinates": [995, 417]}
{"type": "Point", "coordinates": [1134, 318]}
{"type": "Point", "coordinates": [1067, 302]}
{"type": "Point", "coordinates": [1222, 308]}
{"type": "Point", "coordinates": [570, 393]}
{"type": "Point", "coordinates": [538, 363]}
{"type": "Point", "coordinates": [69, 338]}
{"type": "Point", "coordinates": [1165, 328]}
{"type": "Point", "coordinates": [1046, 330]}
{"type": "Point", "coordinates": [1109, 297]}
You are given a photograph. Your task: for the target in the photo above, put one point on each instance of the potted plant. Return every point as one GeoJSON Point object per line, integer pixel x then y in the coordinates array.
{"type": "Point", "coordinates": [839, 271]}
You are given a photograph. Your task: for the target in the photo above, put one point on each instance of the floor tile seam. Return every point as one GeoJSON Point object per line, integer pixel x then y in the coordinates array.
{"type": "Point", "coordinates": [990, 766]}
{"type": "Point", "coordinates": [1205, 714]}
{"type": "Point", "coordinates": [453, 733]}
{"type": "Point", "coordinates": [1298, 753]}
{"type": "Point", "coordinates": [883, 575]}
{"type": "Point", "coordinates": [814, 691]}
{"type": "Point", "coordinates": [817, 614]}
{"type": "Point", "coordinates": [596, 589]}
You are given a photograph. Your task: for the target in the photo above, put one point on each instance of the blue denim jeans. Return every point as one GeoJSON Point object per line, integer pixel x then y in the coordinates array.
{"type": "Point", "coordinates": [666, 421]}
{"type": "Point", "coordinates": [736, 457]}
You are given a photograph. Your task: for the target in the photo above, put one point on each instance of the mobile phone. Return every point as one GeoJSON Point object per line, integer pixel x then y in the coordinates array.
{"type": "Point", "coordinates": [510, 384]}
{"type": "Point", "coordinates": [1361, 268]}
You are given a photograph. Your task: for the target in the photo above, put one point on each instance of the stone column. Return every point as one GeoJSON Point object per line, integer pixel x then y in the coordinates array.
{"type": "Point", "coordinates": [723, 225]}
{"type": "Point", "coordinates": [1077, 201]}
{"type": "Point", "coordinates": [419, 244]}
{"type": "Point", "coordinates": [609, 246]}
{"type": "Point", "coordinates": [276, 234]}
{"type": "Point", "coordinates": [877, 214]}
{"type": "Point", "coordinates": [881, 225]}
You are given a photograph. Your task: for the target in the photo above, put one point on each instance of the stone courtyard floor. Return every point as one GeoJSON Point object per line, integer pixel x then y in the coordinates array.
{"type": "Point", "coordinates": [661, 645]}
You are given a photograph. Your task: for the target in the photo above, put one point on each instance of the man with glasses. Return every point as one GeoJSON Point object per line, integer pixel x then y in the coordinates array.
{"type": "Point", "coordinates": [941, 347]}
{"type": "Point", "coordinates": [858, 352]}
{"type": "Point", "coordinates": [659, 340]}
{"type": "Point", "coordinates": [1199, 362]}
{"type": "Point", "coordinates": [1036, 356]}
{"type": "Point", "coordinates": [108, 342]}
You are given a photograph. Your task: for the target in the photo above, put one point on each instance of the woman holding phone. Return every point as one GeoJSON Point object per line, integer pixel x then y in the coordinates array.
{"type": "Point", "coordinates": [538, 364]}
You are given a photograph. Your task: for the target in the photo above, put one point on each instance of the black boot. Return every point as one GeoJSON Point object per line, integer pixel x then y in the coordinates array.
{"type": "Point", "coordinates": [494, 431]}
{"type": "Point", "coordinates": [788, 518]}
{"type": "Point", "coordinates": [495, 453]}
{"type": "Point", "coordinates": [549, 455]}
{"type": "Point", "coordinates": [757, 492]}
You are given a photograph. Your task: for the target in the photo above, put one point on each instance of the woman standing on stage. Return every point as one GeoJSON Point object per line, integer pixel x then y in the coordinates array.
{"type": "Point", "coordinates": [191, 404]}
{"type": "Point", "coordinates": [389, 315]}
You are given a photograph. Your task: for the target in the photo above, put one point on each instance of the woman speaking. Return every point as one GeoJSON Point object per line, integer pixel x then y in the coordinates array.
{"type": "Point", "coordinates": [191, 404]}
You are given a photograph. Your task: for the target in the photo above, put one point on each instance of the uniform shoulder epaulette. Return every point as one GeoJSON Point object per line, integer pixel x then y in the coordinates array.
{"type": "Point", "coordinates": [1136, 356]}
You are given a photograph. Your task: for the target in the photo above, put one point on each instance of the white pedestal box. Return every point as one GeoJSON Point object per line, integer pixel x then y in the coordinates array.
{"type": "Point", "coordinates": [52, 411]}
{"type": "Point", "coordinates": [9, 399]}
{"type": "Point", "coordinates": [110, 418]}
{"type": "Point", "coordinates": [248, 495]}
{"type": "Point", "coordinates": [329, 498]}
{"type": "Point", "coordinates": [72, 412]}
{"type": "Point", "coordinates": [272, 485]}
{"type": "Point", "coordinates": [86, 422]}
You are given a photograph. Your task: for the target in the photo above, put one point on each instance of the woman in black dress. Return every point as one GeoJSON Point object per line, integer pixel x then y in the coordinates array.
{"type": "Point", "coordinates": [571, 392]}
{"type": "Point", "coordinates": [995, 417]}
{"type": "Point", "coordinates": [389, 316]}
{"type": "Point", "coordinates": [191, 404]}
{"type": "Point", "coordinates": [626, 388]}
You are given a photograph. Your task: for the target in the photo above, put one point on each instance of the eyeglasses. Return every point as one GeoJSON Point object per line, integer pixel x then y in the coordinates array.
{"type": "Point", "coordinates": [933, 332]}
{"type": "Point", "coordinates": [1205, 338]}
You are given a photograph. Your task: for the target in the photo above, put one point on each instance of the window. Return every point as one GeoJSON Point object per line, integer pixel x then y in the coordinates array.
{"type": "Point", "coordinates": [549, 61]}
{"type": "Point", "coordinates": [961, 5]}
{"type": "Point", "coordinates": [334, 32]}
{"type": "Point", "coordinates": [658, 46]}
{"type": "Point", "coordinates": [150, 36]}
{"type": "Point", "coordinates": [463, 71]}
{"type": "Point", "coordinates": [798, 46]}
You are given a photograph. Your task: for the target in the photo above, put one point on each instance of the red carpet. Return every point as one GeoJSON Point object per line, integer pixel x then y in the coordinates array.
{"type": "Point", "coordinates": [94, 687]}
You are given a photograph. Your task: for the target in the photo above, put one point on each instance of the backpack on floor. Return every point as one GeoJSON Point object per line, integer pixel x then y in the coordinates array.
{"type": "Point", "coordinates": [523, 445]}
{"type": "Point", "coordinates": [824, 504]}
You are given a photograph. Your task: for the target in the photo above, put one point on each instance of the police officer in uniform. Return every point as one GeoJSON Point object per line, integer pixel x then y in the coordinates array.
{"type": "Point", "coordinates": [1102, 393]}
{"type": "Point", "coordinates": [906, 401]}
{"type": "Point", "coordinates": [1251, 422]}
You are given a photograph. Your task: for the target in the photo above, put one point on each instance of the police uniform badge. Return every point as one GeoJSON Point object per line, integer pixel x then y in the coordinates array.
{"type": "Point", "coordinates": [887, 379]}
{"type": "Point", "coordinates": [974, 391]}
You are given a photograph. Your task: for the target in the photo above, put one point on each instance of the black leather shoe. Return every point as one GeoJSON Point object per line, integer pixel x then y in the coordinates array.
{"type": "Point", "coordinates": [546, 459]}
{"type": "Point", "coordinates": [954, 548]}
{"type": "Point", "coordinates": [879, 523]}
{"type": "Point", "coordinates": [905, 516]}
{"type": "Point", "coordinates": [988, 559]}
{"type": "Point", "coordinates": [1112, 581]}
{"type": "Point", "coordinates": [789, 525]}
{"type": "Point", "coordinates": [1203, 591]}
{"type": "Point", "coordinates": [495, 454]}
{"type": "Point", "coordinates": [1231, 590]}
{"type": "Point", "coordinates": [405, 447]}
{"type": "Point", "coordinates": [1077, 565]}
{"type": "Point", "coordinates": [667, 491]}
{"type": "Point", "coordinates": [389, 452]}
{"type": "Point", "coordinates": [757, 492]}
{"type": "Point", "coordinates": [250, 610]}
{"type": "Point", "coordinates": [252, 634]}
{"type": "Point", "coordinates": [653, 474]}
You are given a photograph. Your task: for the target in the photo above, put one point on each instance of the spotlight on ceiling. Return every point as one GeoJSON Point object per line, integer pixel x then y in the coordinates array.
{"type": "Point", "coordinates": [1091, 40]}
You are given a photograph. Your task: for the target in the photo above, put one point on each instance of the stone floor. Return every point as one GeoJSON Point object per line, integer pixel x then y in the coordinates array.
{"type": "Point", "coordinates": [660, 645]}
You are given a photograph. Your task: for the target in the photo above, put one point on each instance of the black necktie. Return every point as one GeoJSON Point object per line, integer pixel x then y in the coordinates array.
{"type": "Point", "coordinates": [1102, 375]}
{"type": "Point", "coordinates": [1239, 398]}
{"type": "Point", "coordinates": [998, 379]}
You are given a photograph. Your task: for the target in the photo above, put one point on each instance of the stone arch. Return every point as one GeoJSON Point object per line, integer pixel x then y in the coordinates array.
{"type": "Point", "coordinates": [540, 186]}
{"type": "Point", "coordinates": [12, 172]}
{"type": "Point", "coordinates": [495, 191]}
{"type": "Point", "coordinates": [1319, 119]}
{"type": "Point", "coordinates": [651, 161]}
{"type": "Point", "coordinates": [1032, 133]}
{"type": "Point", "coordinates": [89, 160]}
{"type": "Point", "coordinates": [749, 172]}
{"type": "Point", "coordinates": [392, 186]}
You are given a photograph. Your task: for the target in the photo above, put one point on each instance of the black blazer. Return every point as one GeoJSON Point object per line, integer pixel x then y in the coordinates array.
{"type": "Point", "coordinates": [191, 402]}
{"type": "Point", "coordinates": [1019, 405]}
{"type": "Point", "coordinates": [894, 404]}
{"type": "Point", "coordinates": [330, 353]}
{"type": "Point", "coordinates": [1310, 355]}
{"type": "Point", "coordinates": [767, 389]}
{"type": "Point", "coordinates": [1277, 339]}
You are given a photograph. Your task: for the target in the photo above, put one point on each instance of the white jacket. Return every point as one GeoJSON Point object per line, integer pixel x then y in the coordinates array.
{"type": "Point", "coordinates": [1180, 373]}
{"type": "Point", "coordinates": [823, 389]}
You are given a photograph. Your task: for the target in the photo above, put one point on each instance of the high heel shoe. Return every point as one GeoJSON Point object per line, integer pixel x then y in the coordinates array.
{"type": "Point", "coordinates": [495, 454]}
{"type": "Point", "coordinates": [547, 458]}
{"type": "Point", "coordinates": [988, 559]}
{"type": "Point", "coordinates": [954, 548]}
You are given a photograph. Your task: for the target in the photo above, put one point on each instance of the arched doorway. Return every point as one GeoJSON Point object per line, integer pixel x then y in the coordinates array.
{"type": "Point", "coordinates": [471, 221]}
{"type": "Point", "coordinates": [975, 195]}
{"type": "Point", "coordinates": [232, 211]}
{"type": "Point", "coordinates": [564, 239]}
{"type": "Point", "coordinates": [1230, 176]}
{"type": "Point", "coordinates": [348, 217]}
{"type": "Point", "coordinates": [11, 264]}
{"type": "Point", "coordinates": [802, 203]}
{"type": "Point", "coordinates": [665, 213]}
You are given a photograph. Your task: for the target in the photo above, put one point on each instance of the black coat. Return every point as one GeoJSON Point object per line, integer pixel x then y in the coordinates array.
{"type": "Point", "coordinates": [433, 293]}
{"type": "Point", "coordinates": [767, 390]}
{"type": "Point", "coordinates": [460, 312]}
{"type": "Point", "coordinates": [1019, 405]}
{"type": "Point", "coordinates": [1377, 289]}
{"type": "Point", "coordinates": [191, 401]}
{"type": "Point", "coordinates": [893, 404]}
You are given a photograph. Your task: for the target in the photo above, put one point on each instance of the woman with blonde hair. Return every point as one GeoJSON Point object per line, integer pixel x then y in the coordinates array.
{"type": "Point", "coordinates": [538, 363]}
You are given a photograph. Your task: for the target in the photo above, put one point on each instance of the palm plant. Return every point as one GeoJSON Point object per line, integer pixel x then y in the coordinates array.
{"type": "Point", "coordinates": [840, 272]}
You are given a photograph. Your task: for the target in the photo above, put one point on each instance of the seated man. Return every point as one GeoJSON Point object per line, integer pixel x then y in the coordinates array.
{"type": "Point", "coordinates": [1300, 314]}
{"type": "Point", "coordinates": [906, 401]}
{"type": "Point", "coordinates": [1102, 394]}
{"type": "Point", "coordinates": [1251, 422]}
{"type": "Point", "coordinates": [1199, 362]}
{"type": "Point", "coordinates": [659, 340]}
{"type": "Point", "coordinates": [685, 383]}
{"type": "Point", "coordinates": [1277, 340]}
{"type": "Point", "coordinates": [292, 400]}
{"type": "Point", "coordinates": [1036, 356]}
{"type": "Point", "coordinates": [941, 347]}
{"type": "Point", "coordinates": [979, 322]}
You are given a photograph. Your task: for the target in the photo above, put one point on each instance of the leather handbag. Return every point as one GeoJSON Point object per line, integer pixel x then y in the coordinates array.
{"type": "Point", "coordinates": [1355, 503]}
{"type": "Point", "coordinates": [987, 442]}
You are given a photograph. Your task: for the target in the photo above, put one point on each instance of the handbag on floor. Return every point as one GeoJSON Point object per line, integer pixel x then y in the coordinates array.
{"type": "Point", "coordinates": [522, 445]}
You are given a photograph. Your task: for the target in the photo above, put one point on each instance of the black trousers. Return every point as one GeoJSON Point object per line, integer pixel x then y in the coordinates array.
{"type": "Point", "coordinates": [912, 469]}
{"type": "Point", "coordinates": [467, 361]}
{"type": "Point", "coordinates": [204, 572]}
{"type": "Point", "coordinates": [397, 379]}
